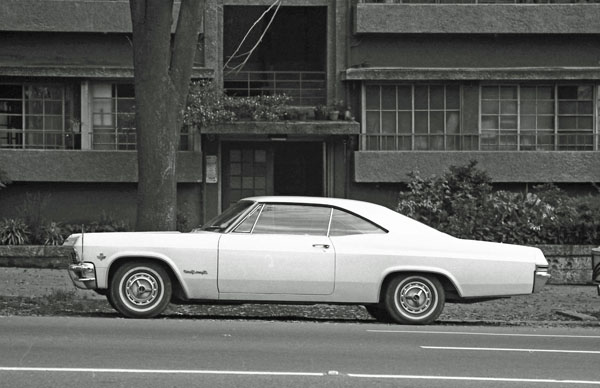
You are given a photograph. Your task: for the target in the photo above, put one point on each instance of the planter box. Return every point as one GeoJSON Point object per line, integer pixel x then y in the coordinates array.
{"type": "Point", "coordinates": [35, 256]}
{"type": "Point", "coordinates": [569, 264]}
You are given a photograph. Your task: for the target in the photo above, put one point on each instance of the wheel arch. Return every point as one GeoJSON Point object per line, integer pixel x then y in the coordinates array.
{"type": "Point", "coordinates": [448, 283]}
{"type": "Point", "coordinates": [179, 289]}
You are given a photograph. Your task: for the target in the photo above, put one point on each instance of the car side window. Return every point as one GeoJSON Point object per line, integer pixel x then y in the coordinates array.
{"type": "Point", "coordinates": [247, 225]}
{"type": "Point", "coordinates": [345, 224]}
{"type": "Point", "coordinates": [293, 219]}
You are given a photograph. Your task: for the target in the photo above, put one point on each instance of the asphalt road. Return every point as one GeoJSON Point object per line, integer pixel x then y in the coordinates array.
{"type": "Point", "coordinates": [112, 352]}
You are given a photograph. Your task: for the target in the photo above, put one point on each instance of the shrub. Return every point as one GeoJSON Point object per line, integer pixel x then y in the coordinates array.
{"type": "Point", "coordinates": [4, 180]}
{"type": "Point", "coordinates": [52, 234]}
{"type": "Point", "coordinates": [462, 203]}
{"type": "Point", "coordinates": [14, 231]}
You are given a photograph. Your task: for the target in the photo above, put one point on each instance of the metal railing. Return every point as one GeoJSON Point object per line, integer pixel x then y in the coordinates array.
{"type": "Point", "coordinates": [526, 141]}
{"type": "Point", "coordinates": [39, 139]}
{"type": "Point", "coordinates": [59, 140]}
{"type": "Point", "coordinates": [305, 88]}
{"type": "Point", "coordinates": [481, 1]}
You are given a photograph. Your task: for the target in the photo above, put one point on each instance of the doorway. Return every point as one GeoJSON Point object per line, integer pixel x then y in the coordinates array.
{"type": "Point", "coordinates": [273, 168]}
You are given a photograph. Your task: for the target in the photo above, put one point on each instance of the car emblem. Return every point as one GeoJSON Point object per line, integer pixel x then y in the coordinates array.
{"type": "Point", "coordinates": [101, 256]}
{"type": "Point", "coordinates": [194, 272]}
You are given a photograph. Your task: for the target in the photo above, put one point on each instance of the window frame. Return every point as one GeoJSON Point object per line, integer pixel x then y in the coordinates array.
{"type": "Point", "coordinates": [555, 132]}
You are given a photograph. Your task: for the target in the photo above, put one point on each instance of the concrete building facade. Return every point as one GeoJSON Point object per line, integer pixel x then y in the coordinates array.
{"type": "Point", "coordinates": [429, 83]}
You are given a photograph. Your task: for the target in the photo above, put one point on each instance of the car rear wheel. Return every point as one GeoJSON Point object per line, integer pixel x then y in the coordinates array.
{"type": "Point", "coordinates": [140, 289]}
{"type": "Point", "coordinates": [414, 299]}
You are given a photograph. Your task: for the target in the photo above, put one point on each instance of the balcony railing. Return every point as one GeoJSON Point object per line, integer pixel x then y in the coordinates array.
{"type": "Point", "coordinates": [526, 141]}
{"type": "Point", "coordinates": [306, 88]}
{"type": "Point", "coordinates": [39, 139]}
{"type": "Point", "coordinates": [480, 1]}
{"type": "Point", "coordinates": [58, 140]}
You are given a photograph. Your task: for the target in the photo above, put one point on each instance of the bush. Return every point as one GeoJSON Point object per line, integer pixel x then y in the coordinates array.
{"type": "Point", "coordinates": [14, 232]}
{"type": "Point", "coordinates": [208, 105]}
{"type": "Point", "coordinates": [463, 203]}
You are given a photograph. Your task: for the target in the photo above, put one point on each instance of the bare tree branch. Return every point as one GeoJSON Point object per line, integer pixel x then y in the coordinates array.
{"type": "Point", "coordinates": [249, 53]}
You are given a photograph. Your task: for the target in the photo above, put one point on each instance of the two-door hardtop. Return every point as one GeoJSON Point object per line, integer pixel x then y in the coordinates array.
{"type": "Point", "coordinates": [304, 250]}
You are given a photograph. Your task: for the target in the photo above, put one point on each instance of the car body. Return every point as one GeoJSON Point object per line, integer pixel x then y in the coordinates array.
{"type": "Point", "coordinates": [304, 250]}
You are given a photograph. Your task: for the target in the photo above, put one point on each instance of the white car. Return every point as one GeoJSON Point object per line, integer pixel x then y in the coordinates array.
{"type": "Point", "coordinates": [304, 250]}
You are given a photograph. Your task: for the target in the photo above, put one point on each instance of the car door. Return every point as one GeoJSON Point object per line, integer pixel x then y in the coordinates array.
{"type": "Point", "coordinates": [279, 249]}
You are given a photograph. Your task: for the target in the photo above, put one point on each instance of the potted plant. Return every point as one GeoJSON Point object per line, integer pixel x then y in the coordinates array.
{"type": "Point", "coordinates": [321, 112]}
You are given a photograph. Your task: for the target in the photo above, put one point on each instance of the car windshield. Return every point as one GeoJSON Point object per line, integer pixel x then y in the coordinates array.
{"type": "Point", "coordinates": [225, 219]}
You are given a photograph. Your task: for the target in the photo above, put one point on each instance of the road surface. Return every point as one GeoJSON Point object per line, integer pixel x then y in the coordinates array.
{"type": "Point", "coordinates": [114, 352]}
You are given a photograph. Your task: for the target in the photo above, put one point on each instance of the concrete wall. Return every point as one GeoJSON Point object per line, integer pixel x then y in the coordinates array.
{"type": "Point", "coordinates": [516, 166]}
{"type": "Point", "coordinates": [473, 51]}
{"type": "Point", "coordinates": [477, 19]}
{"type": "Point", "coordinates": [88, 202]}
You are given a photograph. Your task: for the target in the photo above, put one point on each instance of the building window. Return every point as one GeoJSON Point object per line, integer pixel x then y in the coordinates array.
{"type": "Point", "coordinates": [113, 117]}
{"type": "Point", "coordinates": [537, 117]}
{"type": "Point", "coordinates": [412, 117]}
{"type": "Point", "coordinates": [38, 116]}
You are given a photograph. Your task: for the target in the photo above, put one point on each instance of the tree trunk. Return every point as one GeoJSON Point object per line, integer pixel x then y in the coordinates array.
{"type": "Point", "coordinates": [162, 69]}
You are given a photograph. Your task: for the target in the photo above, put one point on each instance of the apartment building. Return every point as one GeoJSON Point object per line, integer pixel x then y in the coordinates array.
{"type": "Point", "coordinates": [512, 84]}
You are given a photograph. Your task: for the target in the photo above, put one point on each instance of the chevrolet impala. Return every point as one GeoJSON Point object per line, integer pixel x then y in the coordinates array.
{"type": "Point", "coordinates": [304, 250]}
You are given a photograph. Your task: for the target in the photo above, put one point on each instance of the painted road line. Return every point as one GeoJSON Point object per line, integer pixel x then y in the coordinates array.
{"type": "Point", "coordinates": [160, 371]}
{"type": "Point", "coordinates": [474, 378]}
{"type": "Point", "coordinates": [512, 350]}
{"type": "Point", "coordinates": [293, 374]}
{"type": "Point", "coordinates": [484, 334]}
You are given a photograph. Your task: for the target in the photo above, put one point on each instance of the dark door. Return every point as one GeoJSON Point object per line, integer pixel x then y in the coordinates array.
{"type": "Point", "coordinates": [257, 168]}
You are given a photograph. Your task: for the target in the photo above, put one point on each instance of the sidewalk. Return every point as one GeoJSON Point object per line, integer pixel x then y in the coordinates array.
{"type": "Point", "coordinates": [546, 306]}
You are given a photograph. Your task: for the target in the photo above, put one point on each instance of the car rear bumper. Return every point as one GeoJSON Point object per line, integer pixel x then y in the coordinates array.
{"type": "Point", "coordinates": [83, 275]}
{"type": "Point", "coordinates": [540, 278]}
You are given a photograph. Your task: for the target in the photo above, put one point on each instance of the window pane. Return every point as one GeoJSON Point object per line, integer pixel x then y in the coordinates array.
{"type": "Point", "coordinates": [293, 219]}
{"type": "Point", "coordinates": [528, 122]}
{"type": "Point", "coordinates": [452, 97]}
{"type": "Point", "coordinates": [545, 107]}
{"type": "Point", "coordinates": [373, 122]}
{"type": "Point", "coordinates": [421, 97]}
{"type": "Point", "coordinates": [528, 93]}
{"type": "Point", "coordinates": [404, 98]}
{"type": "Point", "coordinates": [421, 122]}
{"type": "Point", "coordinates": [372, 97]}
{"type": "Point", "coordinates": [508, 92]}
{"type": "Point", "coordinates": [452, 122]}
{"type": "Point", "coordinates": [545, 122]}
{"type": "Point", "coordinates": [528, 107]}
{"type": "Point", "coordinates": [345, 224]}
{"type": "Point", "coordinates": [404, 122]}
{"type": "Point", "coordinates": [489, 122]}
{"type": "Point", "coordinates": [388, 97]}
{"type": "Point", "coordinates": [490, 107]}
{"type": "Point", "coordinates": [436, 97]}
{"type": "Point", "coordinates": [11, 91]}
{"type": "Point", "coordinates": [508, 107]}
{"type": "Point", "coordinates": [437, 122]}
{"type": "Point", "coordinates": [388, 122]}
{"type": "Point", "coordinates": [489, 93]}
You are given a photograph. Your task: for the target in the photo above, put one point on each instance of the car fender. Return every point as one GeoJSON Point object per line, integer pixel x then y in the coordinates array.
{"type": "Point", "coordinates": [103, 283]}
{"type": "Point", "coordinates": [420, 269]}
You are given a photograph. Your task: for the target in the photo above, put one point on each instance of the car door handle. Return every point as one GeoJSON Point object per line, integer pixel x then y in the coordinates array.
{"type": "Point", "coordinates": [326, 246]}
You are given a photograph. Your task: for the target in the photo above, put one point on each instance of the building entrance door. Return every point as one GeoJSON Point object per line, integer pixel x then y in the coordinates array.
{"type": "Point", "coordinates": [274, 168]}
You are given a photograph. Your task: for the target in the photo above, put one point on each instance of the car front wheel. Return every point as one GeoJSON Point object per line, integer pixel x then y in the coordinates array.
{"type": "Point", "coordinates": [414, 299]}
{"type": "Point", "coordinates": [140, 289]}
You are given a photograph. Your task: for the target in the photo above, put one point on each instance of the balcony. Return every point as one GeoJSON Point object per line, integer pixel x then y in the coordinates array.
{"type": "Point", "coordinates": [306, 88]}
{"type": "Point", "coordinates": [477, 17]}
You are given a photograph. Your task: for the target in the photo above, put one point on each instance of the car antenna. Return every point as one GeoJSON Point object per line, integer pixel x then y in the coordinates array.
{"type": "Point", "coordinates": [82, 235]}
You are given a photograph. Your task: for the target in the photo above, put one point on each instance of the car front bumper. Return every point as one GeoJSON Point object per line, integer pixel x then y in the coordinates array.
{"type": "Point", "coordinates": [83, 275]}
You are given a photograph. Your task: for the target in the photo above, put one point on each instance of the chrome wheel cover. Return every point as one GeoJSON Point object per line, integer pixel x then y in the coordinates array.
{"type": "Point", "coordinates": [141, 290]}
{"type": "Point", "coordinates": [415, 298]}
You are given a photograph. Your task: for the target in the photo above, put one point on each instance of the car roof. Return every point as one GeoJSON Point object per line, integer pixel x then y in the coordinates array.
{"type": "Point", "coordinates": [380, 215]}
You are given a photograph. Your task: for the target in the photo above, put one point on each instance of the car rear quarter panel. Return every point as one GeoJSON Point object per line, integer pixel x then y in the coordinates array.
{"type": "Point", "coordinates": [476, 269]}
